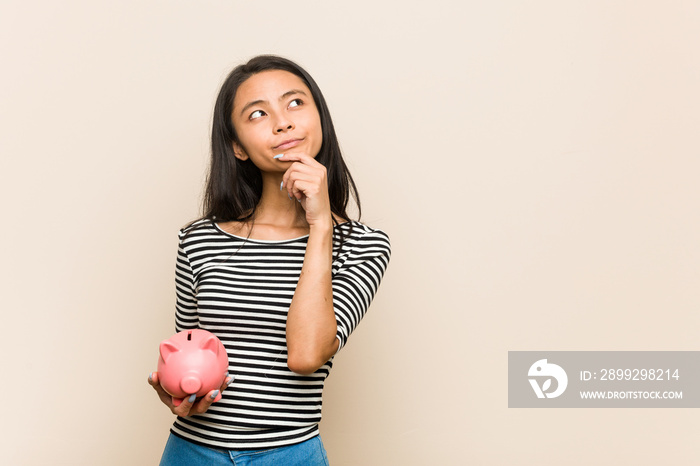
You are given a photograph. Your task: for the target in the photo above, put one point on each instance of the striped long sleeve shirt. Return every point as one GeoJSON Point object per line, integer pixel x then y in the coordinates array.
{"type": "Point", "coordinates": [240, 290]}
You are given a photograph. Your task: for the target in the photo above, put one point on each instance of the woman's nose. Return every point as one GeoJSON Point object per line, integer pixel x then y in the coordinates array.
{"type": "Point", "coordinates": [283, 124]}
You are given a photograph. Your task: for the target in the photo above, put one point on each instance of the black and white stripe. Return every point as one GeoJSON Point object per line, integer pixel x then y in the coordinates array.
{"type": "Point", "coordinates": [241, 290]}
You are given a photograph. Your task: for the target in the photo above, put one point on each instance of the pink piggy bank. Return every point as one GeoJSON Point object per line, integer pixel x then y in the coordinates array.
{"type": "Point", "coordinates": [192, 362]}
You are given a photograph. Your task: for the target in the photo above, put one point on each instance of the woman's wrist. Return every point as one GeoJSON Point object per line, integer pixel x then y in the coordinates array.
{"type": "Point", "coordinates": [324, 227]}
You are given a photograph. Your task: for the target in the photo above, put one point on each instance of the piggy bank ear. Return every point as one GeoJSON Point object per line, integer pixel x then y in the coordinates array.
{"type": "Point", "coordinates": [166, 349]}
{"type": "Point", "coordinates": [211, 343]}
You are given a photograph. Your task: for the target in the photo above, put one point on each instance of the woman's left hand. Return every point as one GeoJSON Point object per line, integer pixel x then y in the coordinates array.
{"type": "Point", "coordinates": [306, 181]}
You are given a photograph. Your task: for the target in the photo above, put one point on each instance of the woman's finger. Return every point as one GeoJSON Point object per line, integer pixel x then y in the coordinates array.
{"type": "Point", "coordinates": [297, 157]}
{"type": "Point", "coordinates": [304, 188]}
{"type": "Point", "coordinates": [203, 405]}
{"type": "Point", "coordinates": [212, 397]}
{"type": "Point", "coordinates": [298, 184]}
{"type": "Point", "coordinates": [299, 169]}
{"type": "Point", "coordinates": [162, 394]}
{"type": "Point", "coordinates": [228, 380]}
{"type": "Point", "coordinates": [312, 176]}
{"type": "Point", "coordinates": [302, 163]}
{"type": "Point", "coordinates": [183, 409]}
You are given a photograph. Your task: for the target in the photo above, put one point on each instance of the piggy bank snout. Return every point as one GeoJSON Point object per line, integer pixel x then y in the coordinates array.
{"type": "Point", "coordinates": [190, 384]}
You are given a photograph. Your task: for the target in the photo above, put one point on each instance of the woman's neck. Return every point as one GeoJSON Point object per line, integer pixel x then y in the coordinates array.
{"type": "Point", "coordinates": [276, 209]}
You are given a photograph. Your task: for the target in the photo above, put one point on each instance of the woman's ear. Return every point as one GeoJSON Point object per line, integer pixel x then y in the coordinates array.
{"type": "Point", "coordinates": [239, 152]}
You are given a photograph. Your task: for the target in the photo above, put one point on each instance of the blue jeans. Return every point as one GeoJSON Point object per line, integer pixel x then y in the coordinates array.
{"type": "Point", "coordinates": [180, 452]}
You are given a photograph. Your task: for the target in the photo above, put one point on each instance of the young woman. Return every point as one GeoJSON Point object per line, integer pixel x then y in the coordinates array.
{"type": "Point", "coordinates": [275, 268]}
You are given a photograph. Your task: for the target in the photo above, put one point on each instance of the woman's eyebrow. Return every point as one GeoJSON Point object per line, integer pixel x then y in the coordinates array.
{"type": "Point", "coordinates": [282, 97]}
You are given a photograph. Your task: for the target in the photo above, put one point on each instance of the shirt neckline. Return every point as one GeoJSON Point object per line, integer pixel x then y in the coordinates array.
{"type": "Point", "coordinates": [271, 241]}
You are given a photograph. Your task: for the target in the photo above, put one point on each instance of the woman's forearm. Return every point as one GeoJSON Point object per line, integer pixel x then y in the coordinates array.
{"type": "Point", "coordinates": [311, 324]}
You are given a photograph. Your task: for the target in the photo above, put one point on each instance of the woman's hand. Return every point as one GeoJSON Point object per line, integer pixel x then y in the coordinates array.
{"type": "Point", "coordinates": [306, 181]}
{"type": "Point", "coordinates": [190, 405]}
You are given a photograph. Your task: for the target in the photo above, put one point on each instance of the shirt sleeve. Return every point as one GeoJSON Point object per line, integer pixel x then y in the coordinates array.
{"type": "Point", "coordinates": [186, 316]}
{"type": "Point", "coordinates": [356, 281]}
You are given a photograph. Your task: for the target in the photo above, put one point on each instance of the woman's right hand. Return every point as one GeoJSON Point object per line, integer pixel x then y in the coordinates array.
{"type": "Point", "coordinates": [190, 405]}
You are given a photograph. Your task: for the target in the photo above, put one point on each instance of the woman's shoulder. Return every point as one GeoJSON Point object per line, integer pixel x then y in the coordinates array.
{"type": "Point", "coordinates": [197, 229]}
{"type": "Point", "coordinates": [358, 233]}
{"type": "Point", "coordinates": [358, 228]}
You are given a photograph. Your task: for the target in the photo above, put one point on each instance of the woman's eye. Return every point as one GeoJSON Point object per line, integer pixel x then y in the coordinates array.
{"type": "Point", "coordinates": [295, 103]}
{"type": "Point", "coordinates": [256, 114]}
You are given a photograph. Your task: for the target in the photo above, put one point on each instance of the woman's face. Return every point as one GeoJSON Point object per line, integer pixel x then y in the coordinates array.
{"type": "Point", "coordinates": [274, 113]}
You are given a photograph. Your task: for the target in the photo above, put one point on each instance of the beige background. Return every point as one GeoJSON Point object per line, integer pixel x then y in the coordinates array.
{"type": "Point", "coordinates": [535, 164]}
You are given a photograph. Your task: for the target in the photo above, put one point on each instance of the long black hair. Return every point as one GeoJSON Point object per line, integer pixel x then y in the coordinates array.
{"type": "Point", "coordinates": [234, 186]}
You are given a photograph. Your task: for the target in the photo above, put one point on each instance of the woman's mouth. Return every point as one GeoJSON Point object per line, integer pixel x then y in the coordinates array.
{"type": "Point", "coordinates": [288, 144]}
